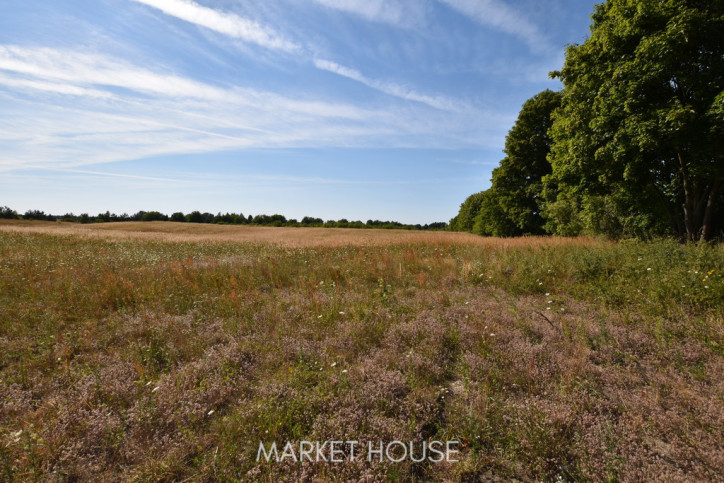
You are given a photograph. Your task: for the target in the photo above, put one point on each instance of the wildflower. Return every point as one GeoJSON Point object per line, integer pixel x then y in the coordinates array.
{"type": "Point", "coordinates": [341, 313]}
{"type": "Point", "coordinates": [333, 364]}
{"type": "Point", "coordinates": [154, 389]}
{"type": "Point", "coordinates": [550, 301]}
{"type": "Point", "coordinates": [548, 308]}
{"type": "Point", "coordinates": [492, 334]}
{"type": "Point", "coordinates": [547, 294]}
{"type": "Point", "coordinates": [210, 413]}
{"type": "Point", "coordinates": [648, 269]}
{"type": "Point", "coordinates": [319, 316]}
{"type": "Point", "coordinates": [344, 371]}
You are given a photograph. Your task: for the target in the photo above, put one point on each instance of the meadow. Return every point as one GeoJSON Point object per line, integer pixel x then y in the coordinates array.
{"type": "Point", "coordinates": [168, 352]}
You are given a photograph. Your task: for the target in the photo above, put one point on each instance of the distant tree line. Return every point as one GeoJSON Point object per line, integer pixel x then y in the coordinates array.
{"type": "Point", "coordinates": [633, 144]}
{"type": "Point", "coordinates": [219, 218]}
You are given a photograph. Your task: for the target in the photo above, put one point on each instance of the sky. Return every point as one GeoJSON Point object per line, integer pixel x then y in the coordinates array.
{"type": "Point", "coordinates": [356, 109]}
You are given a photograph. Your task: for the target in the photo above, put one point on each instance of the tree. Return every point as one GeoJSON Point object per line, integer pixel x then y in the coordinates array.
{"type": "Point", "coordinates": [195, 217]}
{"type": "Point", "coordinates": [512, 205]}
{"type": "Point", "coordinates": [309, 220]}
{"type": "Point", "coordinates": [8, 214]}
{"type": "Point", "coordinates": [154, 216]}
{"type": "Point", "coordinates": [637, 143]}
{"type": "Point", "coordinates": [469, 209]}
{"type": "Point", "coordinates": [37, 215]}
{"type": "Point", "coordinates": [178, 216]}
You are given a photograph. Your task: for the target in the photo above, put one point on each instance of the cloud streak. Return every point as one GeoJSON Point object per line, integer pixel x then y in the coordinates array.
{"type": "Point", "coordinates": [500, 16]}
{"type": "Point", "coordinates": [225, 23]}
{"type": "Point", "coordinates": [390, 88]}
{"type": "Point", "coordinates": [394, 12]}
{"type": "Point", "coordinates": [389, 11]}
{"type": "Point", "coordinates": [70, 67]}
{"type": "Point", "coordinates": [63, 108]}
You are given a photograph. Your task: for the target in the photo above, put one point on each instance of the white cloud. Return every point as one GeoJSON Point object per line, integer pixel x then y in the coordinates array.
{"type": "Point", "coordinates": [226, 23]}
{"type": "Point", "coordinates": [67, 109]}
{"type": "Point", "coordinates": [500, 16]}
{"type": "Point", "coordinates": [71, 72]}
{"type": "Point", "coordinates": [390, 88]}
{"type": "Point", "coordinates": [58, 88]}
{"type": "Point", "coordinates": [395, 12]}
{"type": "Point", "coordinates": [82, 68]}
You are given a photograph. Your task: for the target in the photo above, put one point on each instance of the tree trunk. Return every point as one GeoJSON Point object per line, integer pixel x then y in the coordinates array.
{"type": "Point", "coordinates": [709, 211]}
{"type": "Point", "coordinates": [692, 232]}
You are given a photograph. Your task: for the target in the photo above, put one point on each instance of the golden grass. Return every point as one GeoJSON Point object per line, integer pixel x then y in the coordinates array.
{"type": "Point", "coordinates": [283, 236]}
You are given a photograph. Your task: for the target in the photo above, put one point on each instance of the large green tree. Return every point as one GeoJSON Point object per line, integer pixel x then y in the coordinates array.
{"type": "Point", "coordinates": [637, 141]}
{"type": "Point", "coordinates": [511, 207]}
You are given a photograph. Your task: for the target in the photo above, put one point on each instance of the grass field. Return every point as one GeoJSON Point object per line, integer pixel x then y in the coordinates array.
{"type": "Point", "coordinates": [162, 351]}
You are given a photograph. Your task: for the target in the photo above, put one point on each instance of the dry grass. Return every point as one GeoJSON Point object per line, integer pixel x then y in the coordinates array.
{"type": "Point", "coordinates": [283, 236]}
{"type": "Point", "coordinates": [153, 356]}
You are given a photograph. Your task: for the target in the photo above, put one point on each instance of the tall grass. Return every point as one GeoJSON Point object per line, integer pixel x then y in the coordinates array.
{"type": "Point", "coordinates": [548, 359]}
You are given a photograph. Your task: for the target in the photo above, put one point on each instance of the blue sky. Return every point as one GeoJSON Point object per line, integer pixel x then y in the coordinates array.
{"type": "Point", "coordinates": [357, 109]}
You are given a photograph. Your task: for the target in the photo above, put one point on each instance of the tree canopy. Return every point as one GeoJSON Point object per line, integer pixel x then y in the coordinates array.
{"type": "Point", "coordinates": [511, 207]}
{"type": "Point", "coordinates": [637, 141]}
{"type": "Point", "coordinates": [634, 137]}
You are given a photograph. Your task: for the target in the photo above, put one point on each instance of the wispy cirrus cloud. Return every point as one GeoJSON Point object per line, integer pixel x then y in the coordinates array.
{"type": "Point", "coordinates": [389, 11]}
{"type": "Point", "coordinates": [64, 108]}
{"type": "Point", "coordinates": [71, 72]}
{"type": "Point", "coordinates": [390, 88]}
{"type": "Point", "coordinates": [225, 23]}
{"type": "Point", "coordinates": [502, 17]}
{"type": "Point", "coordinates": [55, 87]}
{"type": "Point", "coordinates": [394, 12]}
{"type": "Point", "coordinates": [71, 67]}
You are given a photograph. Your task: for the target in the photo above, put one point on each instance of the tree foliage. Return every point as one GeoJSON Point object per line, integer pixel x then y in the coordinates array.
{"type": "Point", "coordinates": [637, 142]}
{"type": "Point", "coordinates": [635, 136]}
{"type": "Point", "coordinates": [469, 209]}
{"type": "Point", "coordinates": [511, 207]}
{"type": "Point", "coordinates": [8, 214]}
